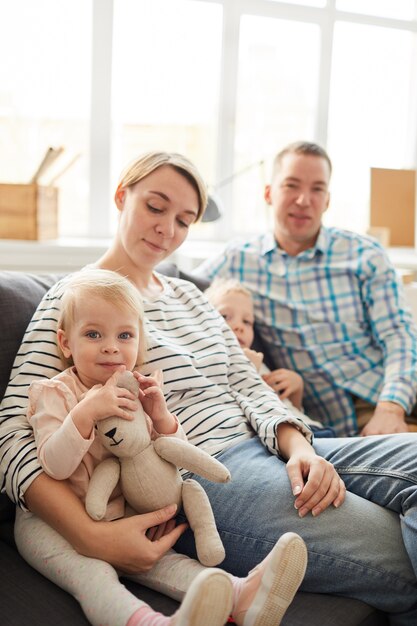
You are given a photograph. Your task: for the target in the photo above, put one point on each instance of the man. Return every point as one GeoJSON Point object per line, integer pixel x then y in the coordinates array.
{"type": "Point", "coordinates": [328, 304]}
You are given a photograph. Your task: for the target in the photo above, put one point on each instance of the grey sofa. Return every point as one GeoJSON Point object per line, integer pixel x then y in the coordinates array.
{"type": "Point", "coordinates": [26, 596]}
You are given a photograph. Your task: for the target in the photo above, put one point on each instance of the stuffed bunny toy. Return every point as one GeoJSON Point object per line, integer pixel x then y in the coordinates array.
{"type": "Point", "coordinates": [149, 477]}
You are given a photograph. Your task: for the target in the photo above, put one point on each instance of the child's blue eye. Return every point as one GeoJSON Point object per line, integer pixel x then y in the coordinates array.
{"type": "Point", "coordinates": [125, 335]}
{"type": "Point", "coordinates": [93, 334]}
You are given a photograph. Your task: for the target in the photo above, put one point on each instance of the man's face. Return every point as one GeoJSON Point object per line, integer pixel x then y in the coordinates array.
{"type": "Point", "coordinates": [299, 196]}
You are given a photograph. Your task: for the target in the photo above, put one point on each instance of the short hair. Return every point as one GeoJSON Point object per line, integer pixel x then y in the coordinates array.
{"type": "Point", "coordinates": [111, 287]}
{"type": "Point", "coordinates": [222, 286]}
{"type": "Point", "coordinates": [147, 163]}
{"type": "Point", "coordinates": [301, 147]}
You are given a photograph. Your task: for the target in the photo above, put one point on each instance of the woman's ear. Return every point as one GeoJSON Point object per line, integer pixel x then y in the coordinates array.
{"type": "Point", "coordinates": [119, 197]}
{"type": "Point", "coordinates": [63, 343]}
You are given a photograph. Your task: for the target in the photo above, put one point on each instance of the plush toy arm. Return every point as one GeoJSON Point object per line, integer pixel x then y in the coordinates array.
{"type": "Point", "coordinates": [102, 483]}
{"type": "Point", "coordinates": [184, 454]}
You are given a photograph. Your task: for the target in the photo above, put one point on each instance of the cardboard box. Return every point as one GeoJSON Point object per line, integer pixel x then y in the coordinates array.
{"type": "Point", "coordinates": [393, 204]}
{"type": "Point", "coordinates": [28, 211]}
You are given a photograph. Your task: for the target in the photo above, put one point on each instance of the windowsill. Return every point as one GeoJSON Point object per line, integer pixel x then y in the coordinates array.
{"type": "Point", "coordinates": [57, 256]}
{"type": "Point", "coordinates": [66, 255]}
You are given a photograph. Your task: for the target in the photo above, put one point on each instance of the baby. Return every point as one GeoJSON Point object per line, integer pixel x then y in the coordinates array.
{"type": "Point", "coordinates": [234, 302]}
{"type": "Point", "coordinates": [100, 334]}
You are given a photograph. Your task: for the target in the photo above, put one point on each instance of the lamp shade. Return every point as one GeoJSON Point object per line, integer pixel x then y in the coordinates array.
{"type": "Point", "coordinates": [213, 210]}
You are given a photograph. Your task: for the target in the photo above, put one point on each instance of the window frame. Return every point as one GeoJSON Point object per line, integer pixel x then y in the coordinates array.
{"type": "Point", "coordinates": [100, 120]}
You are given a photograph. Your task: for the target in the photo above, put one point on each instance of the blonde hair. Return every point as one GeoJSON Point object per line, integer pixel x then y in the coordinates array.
{"type": "Point", "coordinates": [222, 286]}
{"type": "Point", "coordinates": [149, 162]}
{"type": "Point", "coordinates": [111, 287]}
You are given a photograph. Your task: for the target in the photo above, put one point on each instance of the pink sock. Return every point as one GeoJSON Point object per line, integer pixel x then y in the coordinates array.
{"type": "Point", "coordinates": [145, 616]}
{"type": "Point", "coordinates": [237, 587]}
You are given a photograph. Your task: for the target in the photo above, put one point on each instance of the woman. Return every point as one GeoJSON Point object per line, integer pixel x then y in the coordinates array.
{"type": "Point", "coordinates": [226, 408]}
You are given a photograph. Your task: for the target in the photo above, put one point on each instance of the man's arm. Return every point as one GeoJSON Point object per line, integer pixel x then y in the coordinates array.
{"type": "Point", "coordinates": [395, 332]}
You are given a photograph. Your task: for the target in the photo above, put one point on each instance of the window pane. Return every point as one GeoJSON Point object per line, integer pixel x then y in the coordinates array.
{"type": "Point", "coordinates": [397, 9]}
{"type": "Point", "coordinates": [277, 97]}
{"type": "Point", "coordinates": [372, 113]}
{"type": "Point", "coordinates": [45, 97]}
{"type": "Point", "coordinates": [307, 3]}
{"type": "Point", "coordinates": [166, 76]}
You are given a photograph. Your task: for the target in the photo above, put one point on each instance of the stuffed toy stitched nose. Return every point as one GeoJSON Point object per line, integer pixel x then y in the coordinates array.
{"type": "Point", "coordinates": [111, 433]}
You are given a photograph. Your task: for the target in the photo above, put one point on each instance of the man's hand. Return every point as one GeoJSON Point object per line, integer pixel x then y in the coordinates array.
{"type": "Point", "coordinates": [388, 418]}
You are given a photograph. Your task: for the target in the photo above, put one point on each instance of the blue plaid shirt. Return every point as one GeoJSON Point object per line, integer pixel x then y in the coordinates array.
{"type": "Point", "coordinates": [336, 314]}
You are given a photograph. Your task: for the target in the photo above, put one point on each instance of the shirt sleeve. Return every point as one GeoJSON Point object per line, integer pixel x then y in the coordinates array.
{"type": "Point", "coordinates": [60, 445]}
{"type": "Point", "coordinates": [393, 329]}
{"type": "Point", "coordinates": [262, 407]}
{"type": "Point", "coordinates": [37, 358]}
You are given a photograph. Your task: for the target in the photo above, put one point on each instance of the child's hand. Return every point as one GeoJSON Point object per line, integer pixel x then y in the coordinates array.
{"type": "Point", "coordinates": [255, 357]}
{"type": "Point", "coordinates": [102, 401]}
{"type": "Point", "coordinates": [287, 384]}
{"type": "Point", "coordinates": [153, 401]}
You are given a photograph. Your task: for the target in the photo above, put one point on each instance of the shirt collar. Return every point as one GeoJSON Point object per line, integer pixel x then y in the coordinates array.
{"type": "Point", "coordinates": [269, 244]}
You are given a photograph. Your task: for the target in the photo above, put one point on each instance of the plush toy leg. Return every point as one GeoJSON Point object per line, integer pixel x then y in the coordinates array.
{"type": "Point", "coordinates": [210, 550]}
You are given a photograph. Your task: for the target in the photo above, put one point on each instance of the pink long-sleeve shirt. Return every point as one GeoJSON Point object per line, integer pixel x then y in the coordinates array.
{"type": "Point", "coordinates": [62, 451]}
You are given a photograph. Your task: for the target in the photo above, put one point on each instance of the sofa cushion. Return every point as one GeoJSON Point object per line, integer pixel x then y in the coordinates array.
{"type": "Point", "coordinates": [20, 294]}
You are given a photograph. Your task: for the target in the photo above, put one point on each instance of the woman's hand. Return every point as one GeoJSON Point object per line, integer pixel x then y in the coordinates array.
{"type": "Point", "coordinates": [123, 543]}
{"type": "Point", "coordinates": [134, 544]}
{"type": "Point", "coordinates": [314, 481]}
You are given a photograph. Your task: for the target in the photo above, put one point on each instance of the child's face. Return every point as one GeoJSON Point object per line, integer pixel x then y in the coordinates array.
{"type": "Point", "coordinates": [237, 310]}
{"type": "Point", "coordinates": [102, 338]}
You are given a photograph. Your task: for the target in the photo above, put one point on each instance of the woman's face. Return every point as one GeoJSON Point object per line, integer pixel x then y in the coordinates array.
{"type": "Point", "coordinates": [155, 215]}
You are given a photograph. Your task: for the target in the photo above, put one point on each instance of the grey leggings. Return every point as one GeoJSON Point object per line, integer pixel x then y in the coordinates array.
{"type": "Point", "coordinates": [95, 584]}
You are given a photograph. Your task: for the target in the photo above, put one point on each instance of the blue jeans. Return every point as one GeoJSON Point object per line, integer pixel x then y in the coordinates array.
{"type": "Point", "coordinates": [366, 549]}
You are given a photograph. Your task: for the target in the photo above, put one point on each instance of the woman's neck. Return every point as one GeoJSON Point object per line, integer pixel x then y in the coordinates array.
{"type": "Point", "coordinates": [144, 279]}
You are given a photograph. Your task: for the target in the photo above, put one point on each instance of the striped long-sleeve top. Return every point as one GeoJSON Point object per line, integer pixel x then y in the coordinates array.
{"type": "Point", "coordinates": [208, 382]}
{"type": "Point", "coordinates": [336, 314]}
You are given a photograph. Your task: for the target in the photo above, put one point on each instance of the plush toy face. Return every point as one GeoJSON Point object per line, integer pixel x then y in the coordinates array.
{"type": "Point", "coordinates": [124, 438]}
